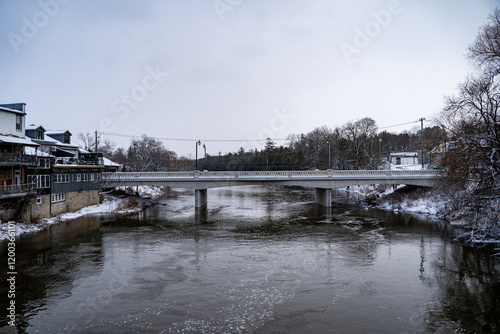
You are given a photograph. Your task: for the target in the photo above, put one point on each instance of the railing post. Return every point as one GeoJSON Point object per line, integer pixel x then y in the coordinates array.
{"type": "Point", "coordinates": [329, 173]}
{"type": "Point", "coordinates": [196, 173]}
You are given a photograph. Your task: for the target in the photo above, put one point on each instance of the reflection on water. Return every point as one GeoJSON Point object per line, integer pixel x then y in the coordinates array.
{"type": "Point", "coordinates": [256, 260]}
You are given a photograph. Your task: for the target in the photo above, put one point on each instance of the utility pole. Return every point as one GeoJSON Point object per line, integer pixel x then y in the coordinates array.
{"type": "Point", "coordinates": [422, 130]}
{"type": "Point", "coordinates": [95, 141]}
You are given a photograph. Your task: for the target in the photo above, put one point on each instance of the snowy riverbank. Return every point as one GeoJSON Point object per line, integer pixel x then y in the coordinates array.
{"type": "Point", "coordinates": [385, 197]}
{"type": "Point", "coordinates": [125, 204]}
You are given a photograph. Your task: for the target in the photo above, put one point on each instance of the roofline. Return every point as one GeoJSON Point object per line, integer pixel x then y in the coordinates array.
{"type": "Point", "coordinates": [29, 127]}
{"type": "Point", "coordinates": [15, 111]}
{"type": "Point", "coordinates": [57, 132]}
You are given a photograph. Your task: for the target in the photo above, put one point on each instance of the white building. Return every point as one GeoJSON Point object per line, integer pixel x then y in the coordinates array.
{"type": "Point", "coordinates": [403, 158]}
{"type": "Point", "coordinates": [12, 119]}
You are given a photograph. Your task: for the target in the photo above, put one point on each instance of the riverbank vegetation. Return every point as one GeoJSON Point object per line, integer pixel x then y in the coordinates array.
{"type": "Point", "coordinates": [471, 119]}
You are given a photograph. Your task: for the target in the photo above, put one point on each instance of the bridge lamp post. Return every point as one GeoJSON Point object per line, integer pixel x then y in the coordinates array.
{"type": "Point", "coordinates": [196, 160]}
{"type": "Point", "coordinates": [329, 156]}
{"type": "Point", "coordinates": [317, 156]}
{"type": "Point", "coordinates": [422, 130]}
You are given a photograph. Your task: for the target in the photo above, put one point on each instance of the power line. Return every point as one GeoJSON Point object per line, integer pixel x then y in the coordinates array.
{"type": "Point", "coordinates": [229, 140]}
{"type": "Point", "coordinates": [393, 126]}
{"type": "Point", "coordinates": [192, 140]}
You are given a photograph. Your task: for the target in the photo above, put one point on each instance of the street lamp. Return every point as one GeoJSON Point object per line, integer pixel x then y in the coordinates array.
{"type": "Point", "coordinates": [196, 162]}
{"type": "Point", "coordinates": [422, 130]}
{"type": "Point", "coordinates": [317, 156]}
{"type": "Point", "coordinates": [329, 156]}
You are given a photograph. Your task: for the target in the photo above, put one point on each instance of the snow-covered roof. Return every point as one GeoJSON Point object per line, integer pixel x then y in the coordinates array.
{"type": "Point", "coordinates": [108, 162]}
{"type": "Point", "coordinates": [404, 154]}
{"type": "Point", "coordinates": [17, 140]}
{"type": "Point", "coordinates": [56, 142]}
{"type": "Point", "coordinates": [32, 151]}
{"type": "Point", "coordinates": [15, 111]}
{"type": "Point", "coordinates": [34, 127]}
{"type": "Point", "coordinates": [57, 132]}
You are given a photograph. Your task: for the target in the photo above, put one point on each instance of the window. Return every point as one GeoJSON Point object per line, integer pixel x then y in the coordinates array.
{"type": "Point", "coordinates": [61, 197]}
{"type": "Point", "coordinates": [44, 163]}
{"type": "Point", "coordinates": [85, 177]}
{"type": "Point", "coordinates": [38, 200]}
{"type": "Point", "coordinates": [39, 134]}
{"type": "Point", "coordinates": [19, 122]}
{"type": "Point", "coordinates": [61, 178]}
{"type": "Point", "coordinates": [78, 177]}
{"type": "Point", "coordinates": [91, 177]}
{"type": "Point", "coordinates": [42, 181]}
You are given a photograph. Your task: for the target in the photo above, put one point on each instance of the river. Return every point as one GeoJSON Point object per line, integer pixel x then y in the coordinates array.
{"type": "Point", "coordinates": [256, 260]}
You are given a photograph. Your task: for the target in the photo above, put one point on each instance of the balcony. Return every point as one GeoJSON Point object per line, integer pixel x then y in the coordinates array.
{"type": "Point", "coordinates": [17, 159]}
{"type": "Point", "coordinates": [85, 159]}
{"type": "Point", "coordinates": [78, 162]}
{"type": "Point", "coordinates": [16, 190]}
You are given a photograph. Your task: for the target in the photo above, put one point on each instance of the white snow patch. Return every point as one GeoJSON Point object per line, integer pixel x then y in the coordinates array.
{"type": "Point", "coordinates": [110, 204]}
{"type": "Point", "coordinates": [431, 205]}
{"type": "Point", "coordinates": [148, 192]}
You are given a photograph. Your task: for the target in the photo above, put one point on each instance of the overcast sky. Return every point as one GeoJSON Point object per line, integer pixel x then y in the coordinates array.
{"type": "Point", "coordinates": [232, 69]}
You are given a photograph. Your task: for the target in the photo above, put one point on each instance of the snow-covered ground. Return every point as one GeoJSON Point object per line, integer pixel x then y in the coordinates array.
{"type": "Point", "coordinates": [431, 204]}
{"type": "Point", "coordinates": [110, 204]}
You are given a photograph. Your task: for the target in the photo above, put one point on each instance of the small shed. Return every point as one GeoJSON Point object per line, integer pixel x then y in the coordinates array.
{"type": "Point", "coordinates": [403, 158]}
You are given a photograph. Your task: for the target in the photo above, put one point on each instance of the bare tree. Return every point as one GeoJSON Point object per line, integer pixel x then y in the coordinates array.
{"type": "Point", "coordinates": [88, 140]}
{"type": "Point", "coordinates": [106, 147]}
{"type": "Point", "coordinates": [361, 135]}
{"type": "Point", "coordinates": [149, 154]}
{"type": "Point", "coordinates": [485, 51]}
{"type": "Point", "coordinates": [120, 157]}
{"type": "Point", "coordinates": [472, 118]}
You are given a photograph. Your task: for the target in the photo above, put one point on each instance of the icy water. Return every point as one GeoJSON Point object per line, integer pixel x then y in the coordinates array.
{"type": "Point", "coordinates": [257, 260]}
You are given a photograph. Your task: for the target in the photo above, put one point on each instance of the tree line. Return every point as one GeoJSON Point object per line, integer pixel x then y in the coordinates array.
{"type": "Point", "coordinates": [354, 145]}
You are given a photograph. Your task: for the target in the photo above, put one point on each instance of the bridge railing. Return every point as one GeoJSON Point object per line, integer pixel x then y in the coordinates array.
{"type": "Point", "coordinates": [116, 177]}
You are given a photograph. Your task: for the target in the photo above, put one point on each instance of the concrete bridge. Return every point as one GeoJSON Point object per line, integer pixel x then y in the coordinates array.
{"type": "Point", "coordinates": [322, 180]}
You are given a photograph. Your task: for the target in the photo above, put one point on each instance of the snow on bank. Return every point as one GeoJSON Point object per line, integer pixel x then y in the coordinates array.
{"type": "Point", "coordinates": [431, 204]}
{"type": "Point", "coordinates": [146, 192]}
{"type": "Point", "coordinates": [110, 204]}
{"type": "Point", "coordinates": [383, 197]}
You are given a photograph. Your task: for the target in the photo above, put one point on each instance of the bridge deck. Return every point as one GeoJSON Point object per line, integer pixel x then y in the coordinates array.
{"type": "Point", "coordinates": [210, 178]}
{"type": "Point", "coordinates": [323, 180]}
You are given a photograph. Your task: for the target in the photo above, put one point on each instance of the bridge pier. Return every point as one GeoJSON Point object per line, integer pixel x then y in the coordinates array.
{"type": "Point", "coordinates": [200, 198]}
{"type": "Point", "coordinates": [324, 197]}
